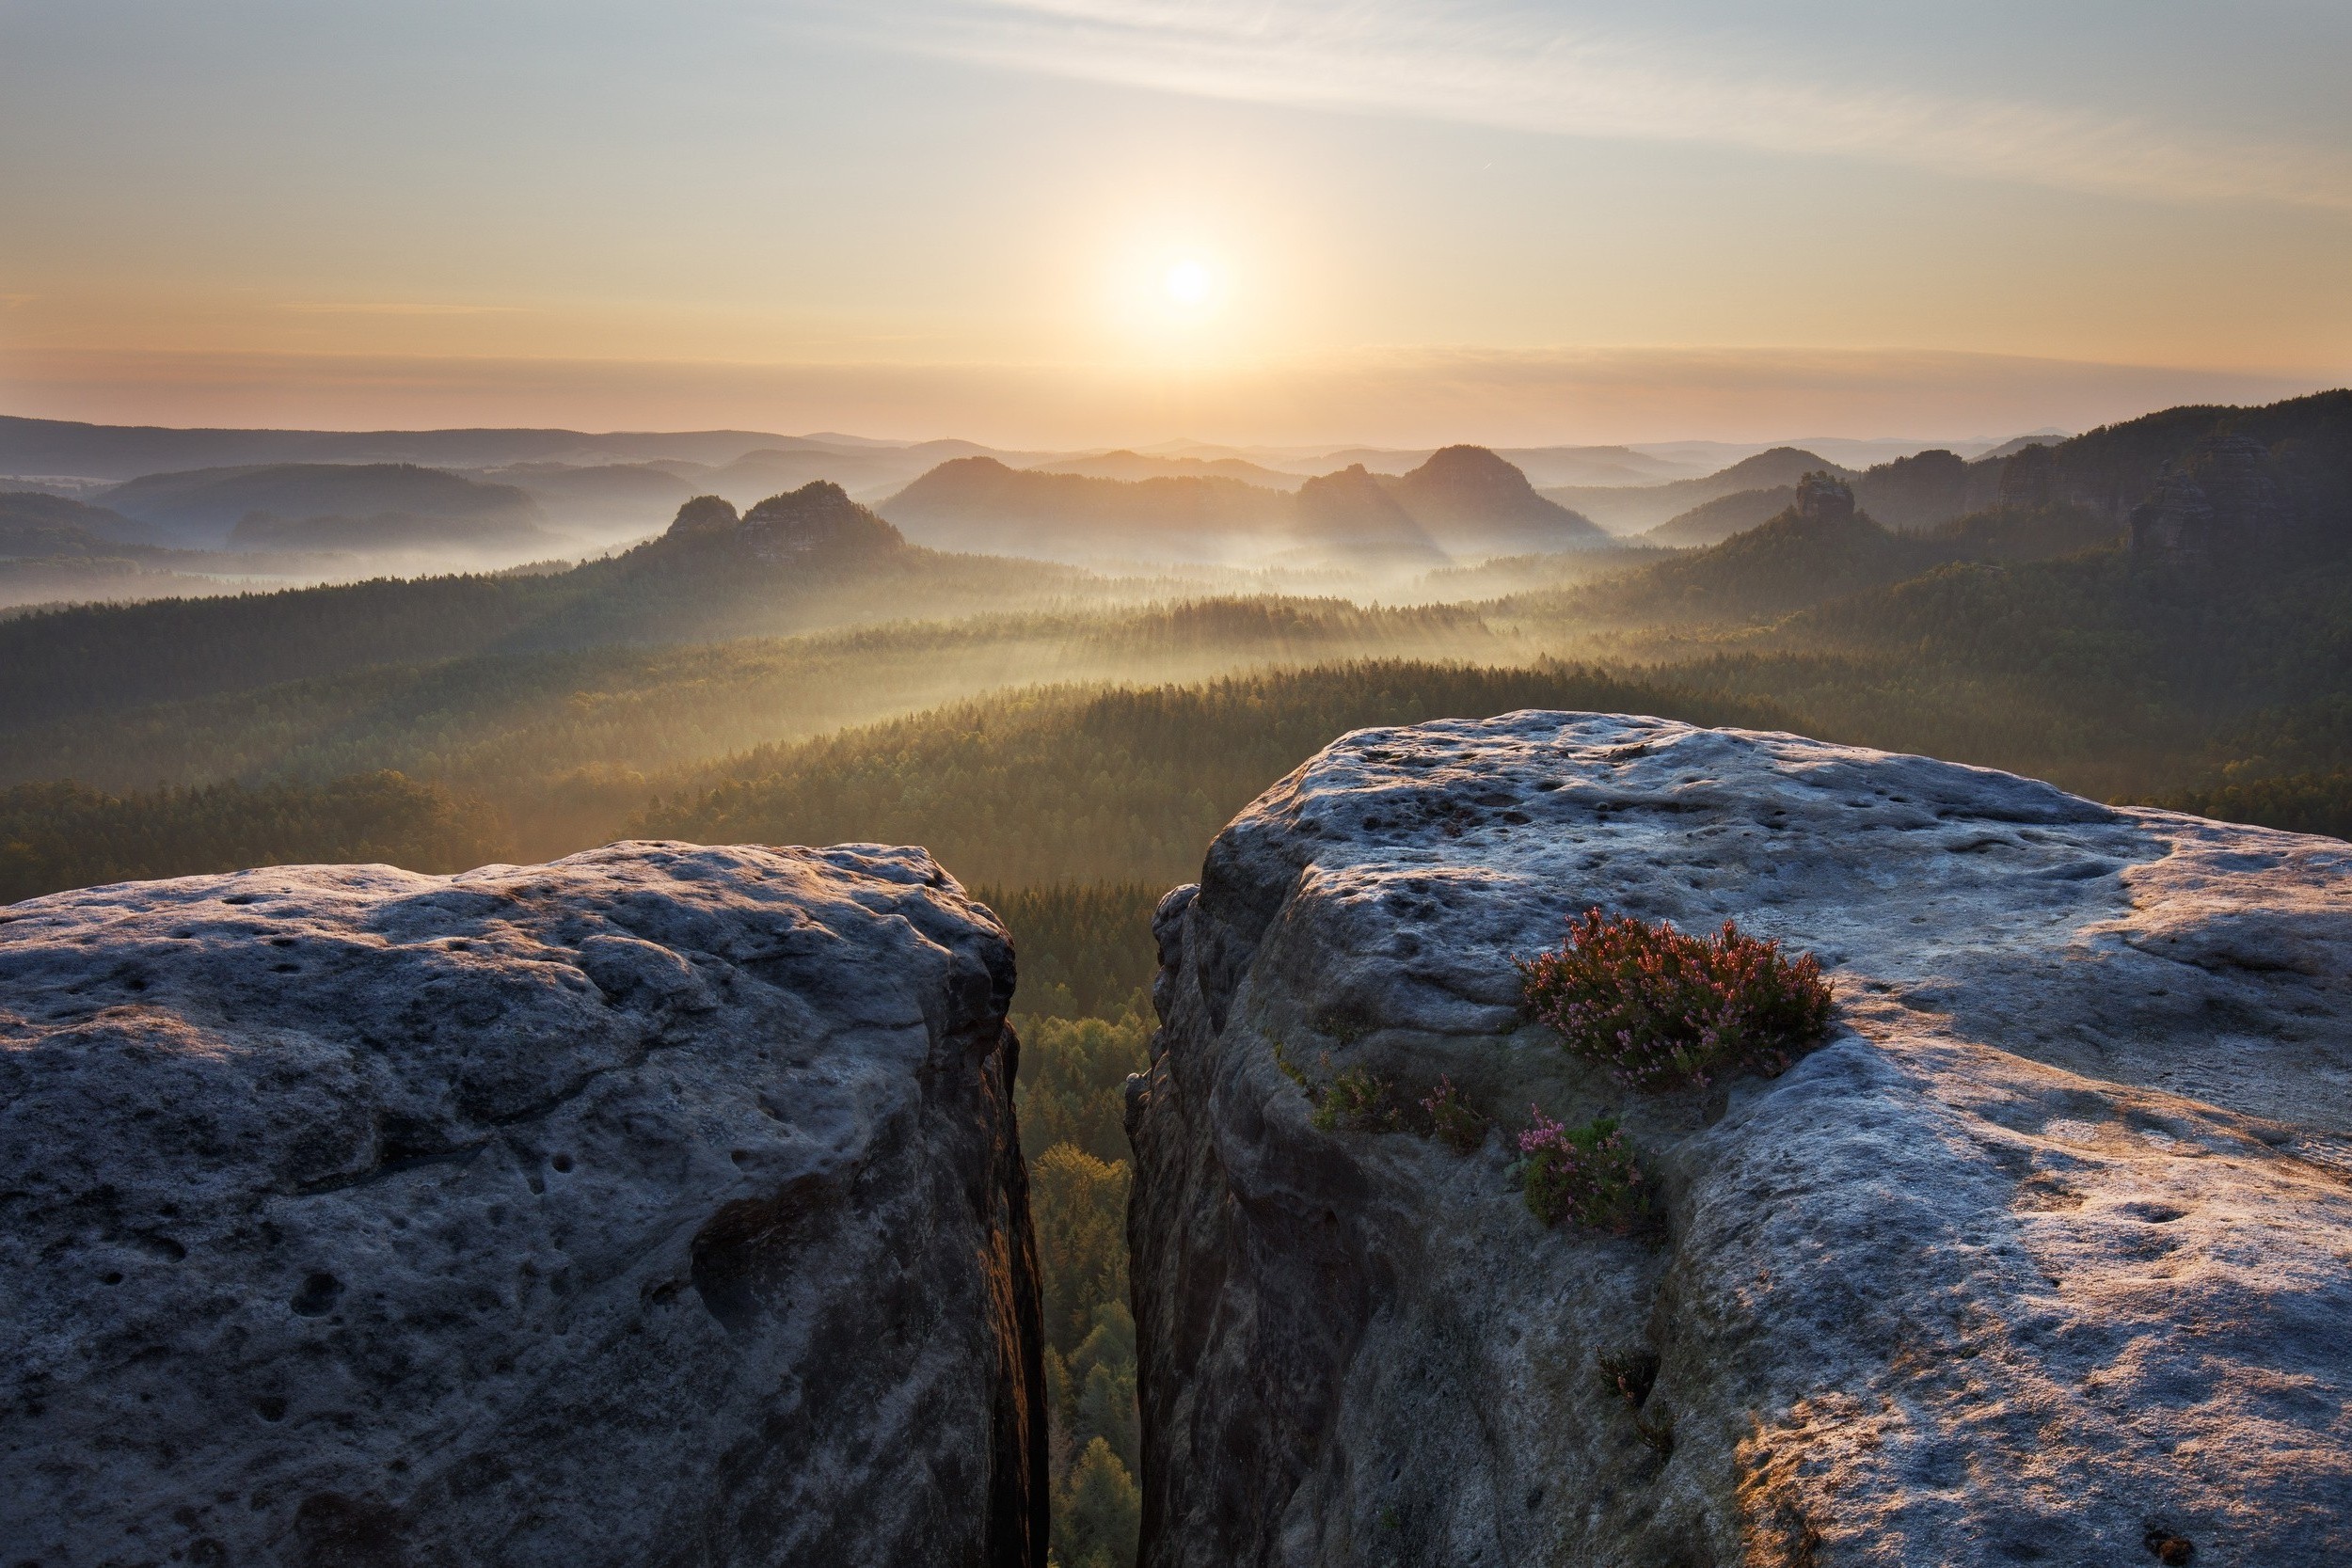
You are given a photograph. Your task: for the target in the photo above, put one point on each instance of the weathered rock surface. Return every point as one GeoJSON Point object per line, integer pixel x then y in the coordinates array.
{"type": "Point", "coordinates": [2044, 1256]}
{"type": "Point", "coordinates": [1824, 498]}
{"type": "Point", "coordinates": [659, 1206]}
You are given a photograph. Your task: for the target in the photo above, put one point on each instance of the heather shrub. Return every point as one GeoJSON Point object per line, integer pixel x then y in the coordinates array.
{"type": "Point", "coordinates": [1663, 1011]}
{"type": "Point", "coordinates": [1585, 1174]}
{"type": "Point", "coordinates": [1453, 1120]}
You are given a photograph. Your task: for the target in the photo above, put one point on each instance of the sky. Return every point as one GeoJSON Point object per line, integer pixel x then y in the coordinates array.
{"type": "Point", "coordinates": [1099, 222]}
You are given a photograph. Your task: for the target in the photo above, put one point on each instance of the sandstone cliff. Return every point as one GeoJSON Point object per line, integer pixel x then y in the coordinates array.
{"type": "Point", "coordinates": [2044, 1255]}
{"type": "Point", "coordinates": [659, 1206]}
{"type": "Point", "coordinates": [2221, 507]}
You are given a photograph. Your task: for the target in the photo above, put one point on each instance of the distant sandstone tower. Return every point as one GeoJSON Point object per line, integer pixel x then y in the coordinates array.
{"type": "Point", "coordinates": [2221, 504]}
{"type": "Point", "coordinates": [1824, 498]}
{"type": "Point", "coordinates": [817, 519]}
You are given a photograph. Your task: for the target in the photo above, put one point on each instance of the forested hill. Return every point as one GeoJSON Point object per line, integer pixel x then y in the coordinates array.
{"type": "Point", "coordinates": [2306, 442]}
{"type": "Point", "coordinates": [119, 452]}
{"type": "Point", "coordinates": [1053, 786]}
{"type": "Point", "coordinates": [798, 562]}
{"type": "Point", "coordinates": [1818, 547]}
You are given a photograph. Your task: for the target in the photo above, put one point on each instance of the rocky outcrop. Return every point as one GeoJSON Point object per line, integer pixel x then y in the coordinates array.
{"type": "Point", "coordinates": [2220, 507]}
{"type": "Point", "coordinates": [1824, 498]}
{"type": "Point", "coordinates": [2040, 1257]}
{"type": "Point", "coordinates": [817, 520]}
{"type": "Point", "coordinates": [818, 523]}
{"type": "Point", "coordinates": [659, 1206]}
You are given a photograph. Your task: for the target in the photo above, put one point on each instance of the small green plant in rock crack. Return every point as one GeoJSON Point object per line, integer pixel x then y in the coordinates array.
{"type": "Point", "coordinates": [1289, 1069]}
{"type": "Point", "coordinates": [1357, 1101]}
{"type": "Point", "coordinates": [1353, 1099]}
{"type": "Point", "coordinates": [1631, 1377]}
{"type": "Point", "coordinates": [1661, 1010]}
{"type": "Point", "coordinates": [1453, 1120]}
{"type": "Point", "coordinates": [1584, 1174]}
{"type": "Point", "coordinates": [1344, 1023]}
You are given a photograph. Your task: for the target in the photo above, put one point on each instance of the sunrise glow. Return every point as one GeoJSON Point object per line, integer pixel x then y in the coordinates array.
{"type": "Point", "coordinates": [1189, 283]}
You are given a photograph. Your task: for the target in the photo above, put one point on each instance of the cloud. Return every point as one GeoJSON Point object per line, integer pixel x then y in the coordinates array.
{"type": "Point", "coordinates": [1522, 72]}
{"type": "Point", "coordinates": [394, 308]}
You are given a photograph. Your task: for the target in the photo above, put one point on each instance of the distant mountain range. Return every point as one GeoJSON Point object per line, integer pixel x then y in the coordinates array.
{"type": "Point", "coordinates": [1460, 502]}
{"type": "Point", "coordinates": [32, 524]}
{"type": "Point", "coordinates": [58, 453]}
{"type": "Point", "coordinates": [1136, 465]}
{"type": "Point", "coordinates": [238, 506]}
{"type": "Point", "coordinates": [803, 561]}
{"type": "Point", "coordinates": [867, 471]}
{"type": "Point", "coordinates": [978, 503]}
{"type": "Point", "coordinates": [30, 447]}
{"type": "Point", "coordinates": [1623, 509]}
{"type": "Point", "coordinates": [53, 549]}
{"type": "Point", "coordinates": [1914, 492]}
{"type": "Point", "coordinates": [349, 506]}
{"type": "Point", "coordinates": [1541, 465]}
{"type": "Point", "coordinates": [2203, 499]}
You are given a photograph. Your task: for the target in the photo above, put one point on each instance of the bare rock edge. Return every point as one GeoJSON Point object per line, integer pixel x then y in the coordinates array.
{"type": "Point", "coordinates": [659, 1206]}
{"type": "Point", "coordinates": [2044, 1256]}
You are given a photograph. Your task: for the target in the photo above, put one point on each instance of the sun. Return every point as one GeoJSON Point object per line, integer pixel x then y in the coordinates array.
{"type": "Point", "coordinates": [1189, 283]}
{"type": "Point", "coordinates": [1174, 294]}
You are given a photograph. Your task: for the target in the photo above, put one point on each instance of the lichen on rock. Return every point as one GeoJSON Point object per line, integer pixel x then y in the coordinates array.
{"type": "Point", "coordinates": [2040, 1256]}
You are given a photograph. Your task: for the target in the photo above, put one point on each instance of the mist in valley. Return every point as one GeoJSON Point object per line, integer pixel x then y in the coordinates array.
{"type": "Point", "coordinates": [424, 629]}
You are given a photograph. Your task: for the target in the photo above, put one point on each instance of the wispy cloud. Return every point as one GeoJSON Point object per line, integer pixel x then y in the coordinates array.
{"type": "Point", "coordinates": [1515, 69]}
{"type": "Point", "coordinates": [394, 308]}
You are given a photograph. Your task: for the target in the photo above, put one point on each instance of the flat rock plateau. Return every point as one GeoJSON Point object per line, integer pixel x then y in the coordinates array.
{"type": "Point", "coordinates": [2044, 1255]}
{"type": "Point", "coordinates": [659, 1206]}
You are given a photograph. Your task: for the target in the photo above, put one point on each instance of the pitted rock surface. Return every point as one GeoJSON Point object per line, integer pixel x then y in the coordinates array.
{"type": "Point", "coordinates": [659, 1206]}
{"type": "Point", "coordinates": [2045, 1255]}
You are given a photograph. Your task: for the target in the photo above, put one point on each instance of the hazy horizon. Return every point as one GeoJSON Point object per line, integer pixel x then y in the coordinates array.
{"type": "Point", "coordinates": [1625, 398]}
